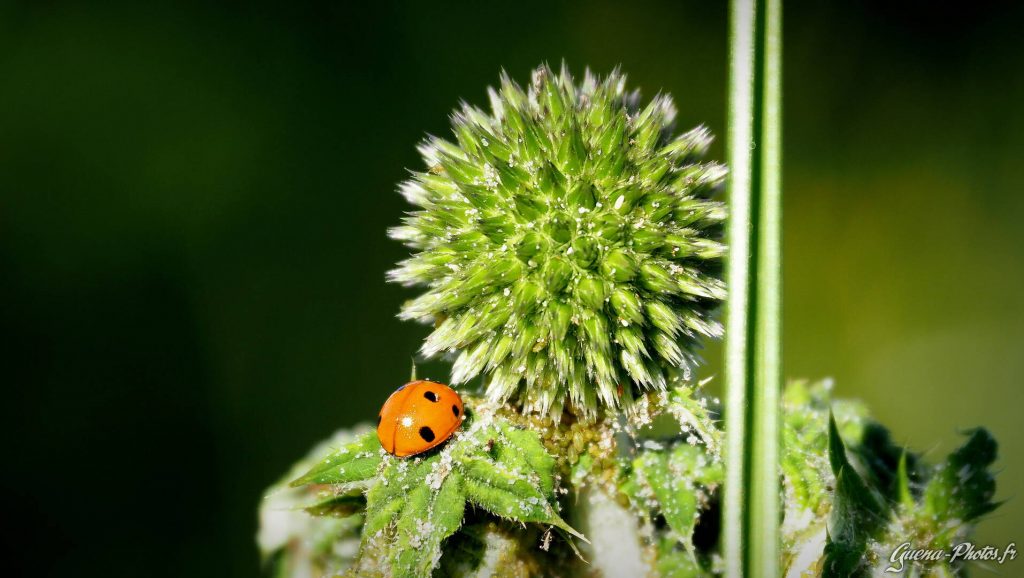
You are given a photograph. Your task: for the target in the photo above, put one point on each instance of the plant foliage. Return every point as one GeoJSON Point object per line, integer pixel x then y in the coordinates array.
{"type": "Point", "coordinates": [413, 505]}
{"type": "Point", "coordinates": [852, 496]}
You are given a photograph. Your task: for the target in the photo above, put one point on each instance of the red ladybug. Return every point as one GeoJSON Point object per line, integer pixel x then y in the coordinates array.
{"type": "Point", "coordinates": [418, 416]}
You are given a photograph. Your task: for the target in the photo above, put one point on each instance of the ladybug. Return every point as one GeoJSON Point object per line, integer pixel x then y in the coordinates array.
{"type": "Point", "coordinates": [418, 416]}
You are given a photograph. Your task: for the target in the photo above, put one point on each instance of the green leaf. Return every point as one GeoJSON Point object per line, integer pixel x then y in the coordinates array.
{"type": "Point", "coordinates": [881, 460]}
{"type": "Point", "coordinates": [693, 416]}
{"type": "Point", "coordinates": [338, 506]}
{"type": "Point", "coordinates": [354, 463]}
{"type": "Point", "coordinates": [522, 449]}
{"type": "Point", "coordinates": [519, 483]}
{"type": "Point", "coordinates": [484, 549]}
{"type": "Point", "coordinates": [676, 498]}
{"type": "Point", "coordinates": [414, 505]}
{"type": "Point", "coordinates": [674, 484]}
{"type": "Point", "coordinates": [806, 443]}
{"type": "Point", "coordinates": [678, 478]}
{"type": "Point", "coordinates": [857, 491]}
{"type": "Point", "coordinates": [858, 514]}
{"type": "Point", "coordinates": [675, 563]}
{"type": "Point", "coordinates": [426, 521]}
{"type": "Point", "coordinates": [905, 497]}
{"type": "Point", "coordinates": [883, 495]}
{"type": "Point", "coordinates": [963, 486]}
{"type": "Point", "coordinates": [289, 538]}
{"type": "Point", "coordinates": [408, 518]}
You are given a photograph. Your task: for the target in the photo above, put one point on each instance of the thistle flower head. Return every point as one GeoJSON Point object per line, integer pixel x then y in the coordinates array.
{"type": "Point", "coordinates": [568, 243]}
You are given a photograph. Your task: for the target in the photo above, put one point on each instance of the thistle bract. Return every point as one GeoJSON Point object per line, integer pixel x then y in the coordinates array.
{"type": "Point", "coordinates": [568, 243]}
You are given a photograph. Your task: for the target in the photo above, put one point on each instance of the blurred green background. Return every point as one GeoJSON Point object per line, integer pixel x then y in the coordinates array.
{"type": "Point", "coordinates": [193, 203]}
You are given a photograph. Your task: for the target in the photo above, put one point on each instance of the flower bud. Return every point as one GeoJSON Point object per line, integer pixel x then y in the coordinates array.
{"type": "Point", "coordinates": [591, 293]}
{"type": "Point", "coordinates": [557, 273]}
{"type": "Point", "coordinates": [584, 251]}
{"type": "Point", "coordinates": [567, 240]}
{"type": "Point", "coordinates": [618, 266]}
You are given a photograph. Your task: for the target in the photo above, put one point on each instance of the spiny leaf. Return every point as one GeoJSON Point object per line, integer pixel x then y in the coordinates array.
{"type": "Point", "coordinates": [676, 563]}
{"type": "Point", "coordinates": [958, 492]}
{"type": "Point", "coordinates": [677, 502]}
{"type": "Point", "coordinates": [289, 538]}
{"type": "Point", "coordinates": [672, 483]}
{"type": "Point", "coordinates": [338, 506]}
{"type": "Point", "coordinates": [904, 496]}
{"type": "Point", "coordinates": [521, 450]}
{"type": "Point", "coordinates": [420, 538]}
{"type": "Point", "coordinates": [485, 549]}
{"type": "Point", "coordinates": [407, 519]}
{"type": "Point", "coordinates": [963, 487]}
{"type": "Point", "coordinates": [881, 458]}
{"type": "Point", "coordinates": [498, 495]}
{"type": "Point", "coordinates": [858, 514]}
{"type": "Point", "coordinates": [693, 416]}
{"type": "Point", "coordinates": [805, 459]}
{"type": "Point", "coordinates": [884, 495]}
{"type": "Point", "coordinates": [353, 463]}
{"type": "Point", "coordinates": [857, 491]}
{"type": "Point", "coordinates": [517, 484]}
{"type": "Point", "coordinates": [414, 505]}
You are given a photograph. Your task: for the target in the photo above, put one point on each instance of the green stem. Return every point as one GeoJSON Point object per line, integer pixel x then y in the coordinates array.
{"type": "Point", "coordinates": [753, 358]}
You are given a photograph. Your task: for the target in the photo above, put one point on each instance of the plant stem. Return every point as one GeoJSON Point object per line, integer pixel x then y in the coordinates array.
{"type": "Point", "coordinates": [753, 355]}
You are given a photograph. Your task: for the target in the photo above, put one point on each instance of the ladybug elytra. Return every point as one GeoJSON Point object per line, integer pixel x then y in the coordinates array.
{"type": "Point", "coordinates": [418, 416]}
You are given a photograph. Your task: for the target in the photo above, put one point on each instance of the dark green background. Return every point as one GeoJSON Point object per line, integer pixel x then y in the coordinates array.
{"type": "Point", "coordinates": [193, 203]}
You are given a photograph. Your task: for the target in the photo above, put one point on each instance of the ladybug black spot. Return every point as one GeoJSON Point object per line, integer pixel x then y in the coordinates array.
{"type": "Point", "coordinates": [427, 434]}
{"type": "Point", "coordinates": [430, 395]}
{"type": "Point", "coordinates": [455, 410]}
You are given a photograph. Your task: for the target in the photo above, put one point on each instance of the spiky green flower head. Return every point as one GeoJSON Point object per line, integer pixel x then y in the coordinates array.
{"type": "Point", "coordinates": [568, 242]}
